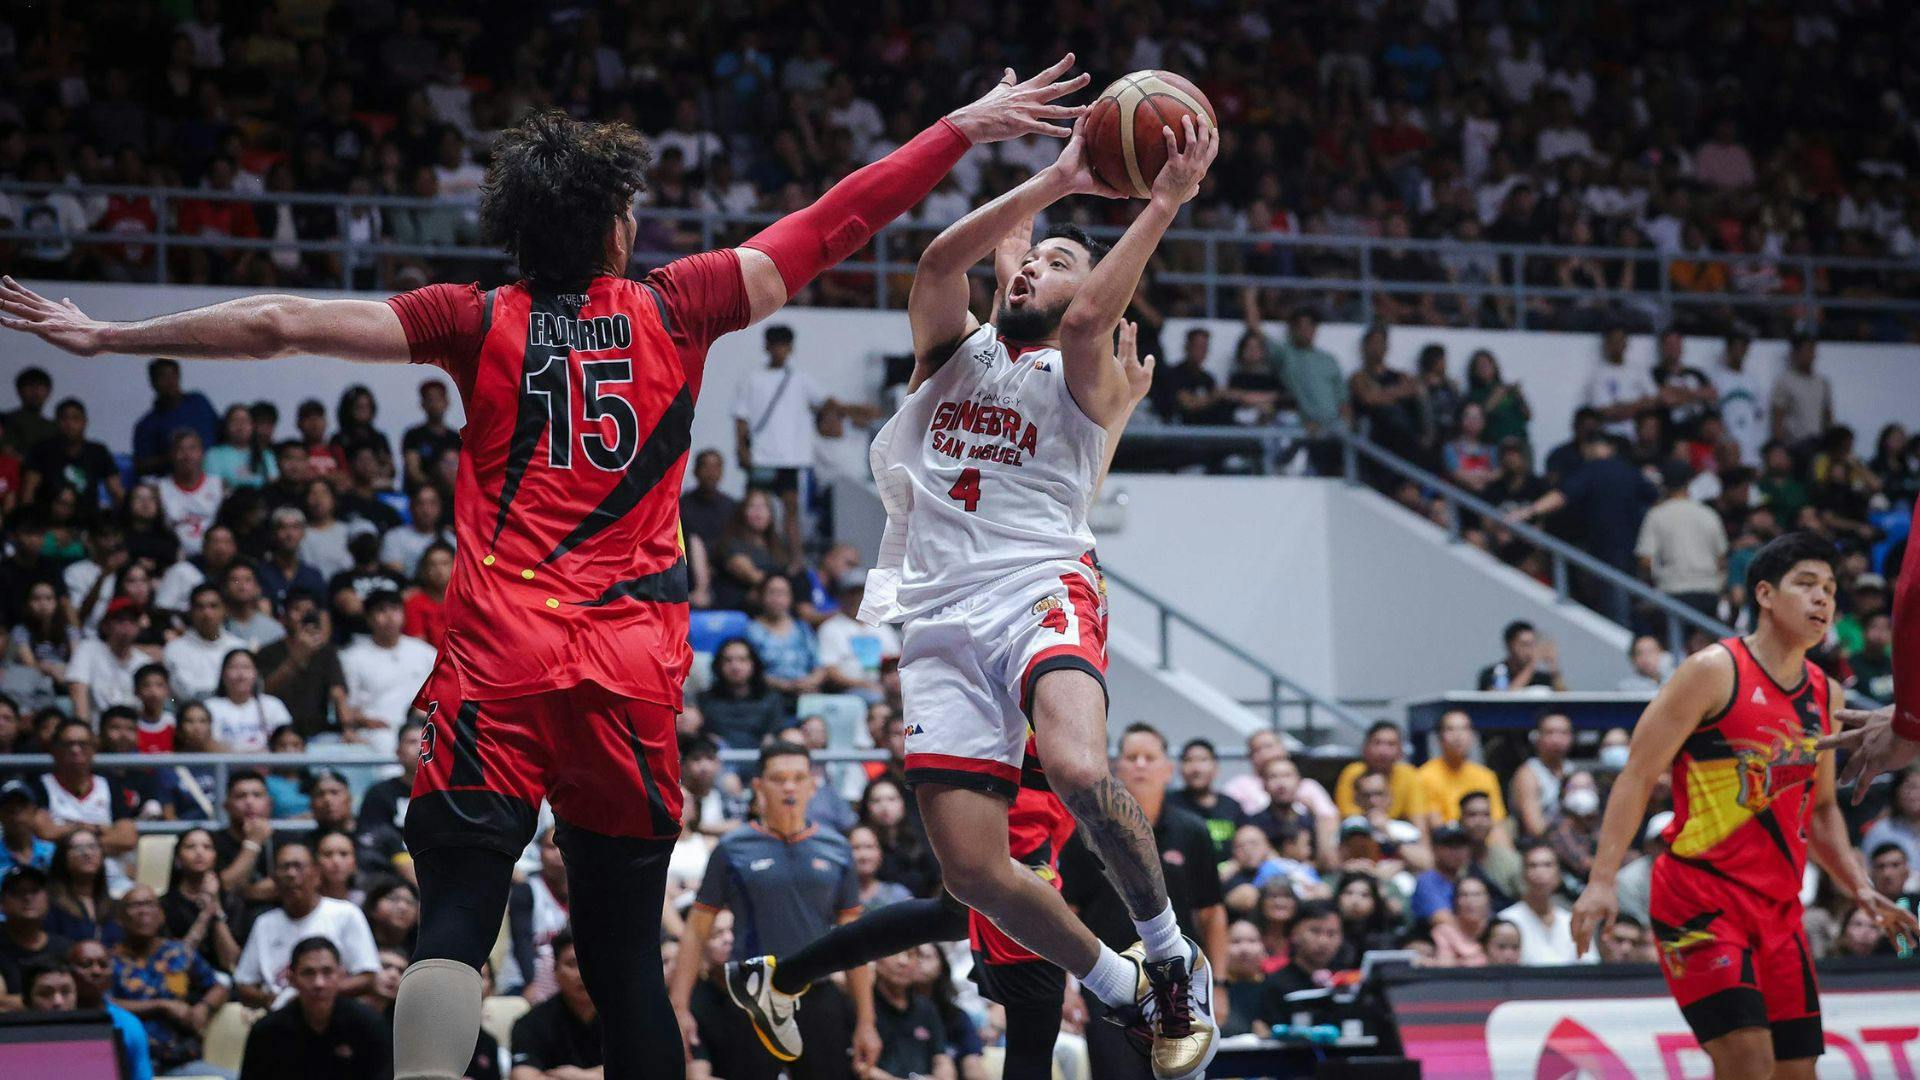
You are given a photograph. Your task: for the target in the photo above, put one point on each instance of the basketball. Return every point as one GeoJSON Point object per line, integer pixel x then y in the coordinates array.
{"type": "Point", "coordinates": [1124, 142]}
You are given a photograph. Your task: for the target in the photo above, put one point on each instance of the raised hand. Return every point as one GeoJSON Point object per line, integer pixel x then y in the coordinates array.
{"type": "Point", "coordinates": [1139, 372]}
{"type": "Point", "coordinates": [1179, 179]}
{"type": "Point", "coordinates": [61, 325]}
{"type": "Point", "coordinates": [1077, 171]}
{"type": "Point", "coordinates": [1012, 109]}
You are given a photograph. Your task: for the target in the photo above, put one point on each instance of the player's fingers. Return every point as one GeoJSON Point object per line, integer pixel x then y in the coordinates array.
{"type": "Point", "coordinates": [1841, 740]}
{"type": "Point", "coordinates": [1062, 88]}
{"type": "Point", "coordinates": [1053, 71]}
{"type": "Point", "coordinates": [1148, 362]}
{"type": "Point", "coordinates": [1058, 112]}
{"type": "Point", "coordinates": [1035, 127]}
{"type": "Point", "coordinates": [1856, 718]}
{"type": "Point", "coordinates": [1173, 144]}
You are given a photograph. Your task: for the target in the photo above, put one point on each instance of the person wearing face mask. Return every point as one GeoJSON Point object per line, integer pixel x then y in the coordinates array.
{"type": "Point", "coordinates": [1573, 835]}
{"type": "Point", "coordinates": [1614, 750]}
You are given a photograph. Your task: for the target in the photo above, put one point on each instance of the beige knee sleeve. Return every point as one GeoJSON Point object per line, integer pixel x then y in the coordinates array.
{"type": "Point", "coordinates": [436, 1021]}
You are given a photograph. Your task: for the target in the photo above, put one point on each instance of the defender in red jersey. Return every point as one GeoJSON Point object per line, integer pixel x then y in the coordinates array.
{"type": "Point", "coordinates": [566, 643]}
{"type": "Point", "coordinates": [1887, 739]}
{"type": "Point", "coordinates": [1739, 725]}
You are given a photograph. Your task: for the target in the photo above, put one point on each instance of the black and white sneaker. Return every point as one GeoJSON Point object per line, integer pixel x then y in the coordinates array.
{"type": "Point", "coordinates": [750, 985]}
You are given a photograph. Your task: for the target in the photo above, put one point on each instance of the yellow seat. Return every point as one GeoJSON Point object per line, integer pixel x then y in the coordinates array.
{"type": "Point", "coordinates": [153, 860]}
{"type": "Point", "coordinates": [225, 1042]}
{"type": "Point", "coordinates": [498, 1014]}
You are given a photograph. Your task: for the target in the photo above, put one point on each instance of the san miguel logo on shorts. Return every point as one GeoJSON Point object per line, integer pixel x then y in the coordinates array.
{"type": "Point", "coordinates": [427, 732]}
{"type": "Point", "coordinates": [1675, 941]}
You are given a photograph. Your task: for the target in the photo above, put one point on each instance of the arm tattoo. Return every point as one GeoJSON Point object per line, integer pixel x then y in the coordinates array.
{"type": "Point", "coordinates": [1117, 830]}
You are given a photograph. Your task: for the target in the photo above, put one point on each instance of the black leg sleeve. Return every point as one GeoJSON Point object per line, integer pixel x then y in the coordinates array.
{"type": "Point", "coordinates": [880, 932]}
{"type": "Point", "coordinates": [463, 896]}
{"type": "Point", "coordinates": [1031, 1033]}
{"type": "Point", "coordinates": [616, 886]}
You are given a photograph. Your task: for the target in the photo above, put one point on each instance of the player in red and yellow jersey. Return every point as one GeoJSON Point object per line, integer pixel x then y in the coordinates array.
{"type": "Point", "coordinates": [561, 670]}
{"type": "Point", "coordinates": [1739, 725]}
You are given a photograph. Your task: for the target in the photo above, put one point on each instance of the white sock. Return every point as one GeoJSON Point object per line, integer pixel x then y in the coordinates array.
{"type": "Point", "coordinates": [1112, 979]}
{"type": "Point", "coordinates": [1161, 935]}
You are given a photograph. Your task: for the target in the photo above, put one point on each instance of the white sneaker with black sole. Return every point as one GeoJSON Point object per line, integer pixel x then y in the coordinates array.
{"type": "Point", "coordinates": [750, 985]}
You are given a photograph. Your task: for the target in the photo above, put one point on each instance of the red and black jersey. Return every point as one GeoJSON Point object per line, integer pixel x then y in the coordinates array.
{"type": "Point", "coordinates": [579, 407]}
{"type": "Point", "coordinates": [1743, 781]}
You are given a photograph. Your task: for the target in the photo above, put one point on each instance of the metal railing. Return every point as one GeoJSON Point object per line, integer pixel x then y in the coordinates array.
{"type": "Point", "coordinates": [1209, 260]}
{"type": "Point", "coordinates": [1283, 693]}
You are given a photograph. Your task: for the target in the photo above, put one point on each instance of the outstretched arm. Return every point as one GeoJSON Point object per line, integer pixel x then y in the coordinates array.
{"type": "Point", "coordinates": [780, 261]}
{"type": "Point", "coordinates": [251, 328]}
{"type": "Point", "coordinates": [1698, 689]}
{"type": "Point", "coordinates": [1099, 385]}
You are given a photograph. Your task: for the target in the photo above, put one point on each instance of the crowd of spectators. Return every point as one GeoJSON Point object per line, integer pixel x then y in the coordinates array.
{"type": "Point", "coordinates": [1731, 142]}
{"type": "Point", "coordinates": [277, 594]}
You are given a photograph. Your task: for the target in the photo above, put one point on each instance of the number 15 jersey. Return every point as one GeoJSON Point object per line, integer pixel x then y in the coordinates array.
{"type": "Point", "coordinates": [569, 566]}
{"type": "Point", "coordinates": [987, 470]}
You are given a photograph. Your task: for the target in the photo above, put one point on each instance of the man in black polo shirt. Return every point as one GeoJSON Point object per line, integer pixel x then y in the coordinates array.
{"type": "Point", "coordinates": [243, 851]}
{"type": "Point", "coordinates": [1193, 887]}
{"type": "Point", "coordinates": [319, 1035]}
{"type": "Point", "coordinates": [913, 1041]}
{"type": "Point", "coordinates": [787, 881]}
{"type": "Point", "coordinates": [1199, 768]}
{"type": "Point", "coordinates": [562, 1031]}
{"type": "Point", "coordinates": [1313, 939]}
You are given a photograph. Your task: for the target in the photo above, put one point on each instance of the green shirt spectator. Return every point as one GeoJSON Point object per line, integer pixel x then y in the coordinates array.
{"type": "Point", "coordinates": [1311, 374]}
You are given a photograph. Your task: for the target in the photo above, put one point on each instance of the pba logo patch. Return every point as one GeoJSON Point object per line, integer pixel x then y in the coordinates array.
{"type": "Point", "coordinates": [428, 732]}
{"type": "Point", "coordinates": [916, 729]}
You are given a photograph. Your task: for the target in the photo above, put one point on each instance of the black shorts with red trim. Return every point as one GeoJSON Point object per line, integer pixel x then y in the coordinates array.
{"type": "Point", "coordinates": [1734, 958]}
{"type": "Point", "coordinates": [607, 763]}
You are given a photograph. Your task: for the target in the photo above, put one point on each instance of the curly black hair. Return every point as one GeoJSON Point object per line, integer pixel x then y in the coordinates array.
{"type": "Point", "coordinates": [554, 186]}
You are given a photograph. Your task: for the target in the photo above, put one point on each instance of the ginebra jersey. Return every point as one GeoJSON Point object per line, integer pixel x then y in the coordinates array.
{"type": "Point", "coordinates": [1743, 783]}
{"type": "Point", "coordinates": [569, 566]}
{"type": "Point", "coordinates": [987, 470]}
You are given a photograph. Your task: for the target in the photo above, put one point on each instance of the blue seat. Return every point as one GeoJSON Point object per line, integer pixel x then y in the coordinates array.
{"type": "Point", "coordinates": [707, 629]}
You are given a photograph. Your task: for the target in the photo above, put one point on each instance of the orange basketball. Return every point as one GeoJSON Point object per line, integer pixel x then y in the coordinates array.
{"type": "Point", "coordinates": [1124, 143]}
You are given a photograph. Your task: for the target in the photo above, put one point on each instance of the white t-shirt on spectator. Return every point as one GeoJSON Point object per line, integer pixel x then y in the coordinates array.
{"type": "Point", "coordinates": [79, 578]}
{"type": "Point", "coordinates": [402, 547]}
{"type": "Point", "coordinates": [853, 649]}
{"type": "Point", "coordinates": [191, 510]}
{"type": "Point", "coordinates": [193, 662]}
{"type": "Point", "coordinates": [1541, 942]}
{"type": "Point", "coordinates": [108, 678]}
{"type": "Point", "coordinates": [1554, 143]}
{"type": "Point", "coordinates": [695, 147]}
{"type": "Point", "coordinates": [1743, 409]}
{"type": "Point", "coordinates": [1683, 542]}
{"type": "Point", "coordinates": [779, 422]}
{"type": "Point", "coordinates": [860, 118]}
{"type": "Point", "coordinates": [243, 728]}
{"type": "Point", "coordinates": [269, 951]}
{"type": "Point", "coordinates": [174, 590]}
{"type": "Point", "coordinates": [326, 549]}
{"type": "Point", "coordinates": [382, 682]}
{"type": "Point", "coordinates": [1611, 384]}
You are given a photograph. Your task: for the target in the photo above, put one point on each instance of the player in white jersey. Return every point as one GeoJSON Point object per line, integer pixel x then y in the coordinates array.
{"type": "Point", "coordinates": [987, 472]}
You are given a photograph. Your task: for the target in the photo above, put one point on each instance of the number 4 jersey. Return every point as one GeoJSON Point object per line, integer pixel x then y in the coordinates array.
{"type": "Point", "coordinates": [987, 472]}
{"type": "Point", "coordinates": [579, 412]}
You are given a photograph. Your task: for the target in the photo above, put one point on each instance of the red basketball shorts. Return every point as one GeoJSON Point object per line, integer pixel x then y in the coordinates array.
{"type": "Point", "coordinates": [1734, 958]}
{"type": "Point", "coordinates": [607, 763]}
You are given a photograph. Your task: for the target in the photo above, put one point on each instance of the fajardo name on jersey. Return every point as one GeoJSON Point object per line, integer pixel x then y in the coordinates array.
{"type": "Point", "coordinates": [595, 334]}
{"type": "Point", "coordinates": [1017, 437]}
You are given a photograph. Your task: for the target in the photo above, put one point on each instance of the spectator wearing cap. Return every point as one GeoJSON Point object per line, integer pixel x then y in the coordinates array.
{"type": "Point", "coordinates": [74, 797]}
{"type": "Point", "coordinates": [1546, 928]}
{"type": "Point", "coordinates": [100, 675]}
{"type": "Point", "coordinates": [1529, 662]}
{"type": "Point", "coordinates": [283, 569]}
{"type": "Point", "coordinates": [1432, 899]}
{"type": "Point", "coordinates": [1801, 403]}
{"type": "Point", "coordinates": [1381, 754]}
{"type": "Point", "coordinates": [19, 846]}
{"type": "Point", "coordinates": [25, 942]}
{"type": "Point", "coordinates": [193, 659]}
{"type": "Point", "coordinates": [303, 669]}
{"type": "Point", "coordinates": [383, 672]}
{"type": "Point", "coordinates": [320, 1032]}
{"type": "Point", "coordinates": [1682, 547]}
{"type": "Point", "coordinates": [1634, 884]}
{"type": "Point", "coordinates": [1449, 775]}
{"type": "Point", "coordinates": [261, 978]}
